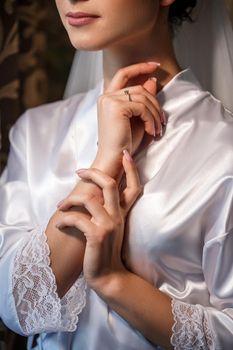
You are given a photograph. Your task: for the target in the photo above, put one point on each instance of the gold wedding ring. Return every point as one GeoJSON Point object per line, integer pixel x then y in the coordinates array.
{"type": "Point", "coordinates": [126, 92]}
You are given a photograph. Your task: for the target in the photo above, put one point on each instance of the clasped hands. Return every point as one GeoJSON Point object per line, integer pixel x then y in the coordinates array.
{"type": "Point", "coordinates": [122, 125]}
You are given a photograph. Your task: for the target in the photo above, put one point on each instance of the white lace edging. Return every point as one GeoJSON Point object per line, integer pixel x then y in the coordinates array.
{"type": "Point", "coordinates": [191, 329]}
{"type": "Point", "coordinates": [38, 305]}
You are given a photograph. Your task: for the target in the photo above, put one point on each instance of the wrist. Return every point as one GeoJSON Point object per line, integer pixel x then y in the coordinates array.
{"type": "Point", "coordinates": [111, 164]}
{"type": "Point", "coordinates": [110, 286]}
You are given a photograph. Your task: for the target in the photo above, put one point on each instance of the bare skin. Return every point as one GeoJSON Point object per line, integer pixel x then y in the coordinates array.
{"type": "Point", "coordinates": [67, 246]}
{"type": "Point", "coordinates": [141, 304]}
{"type": "Point", "coordinates": [124, 65]}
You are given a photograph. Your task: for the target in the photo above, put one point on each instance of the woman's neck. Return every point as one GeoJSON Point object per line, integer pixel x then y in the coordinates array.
{"type": "Point", "coordinates": [156, 48]}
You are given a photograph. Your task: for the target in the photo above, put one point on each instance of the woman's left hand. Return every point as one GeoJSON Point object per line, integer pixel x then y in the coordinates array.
{"type": "Point", "coordinates": [104, 232]}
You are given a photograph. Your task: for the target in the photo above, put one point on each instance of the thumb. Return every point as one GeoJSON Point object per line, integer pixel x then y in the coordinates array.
{"type": "Point", "coordinates": [151, 86]}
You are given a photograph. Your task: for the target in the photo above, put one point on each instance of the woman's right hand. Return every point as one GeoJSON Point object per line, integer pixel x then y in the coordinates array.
{"type": "Point", "coordinates": [116, 128]}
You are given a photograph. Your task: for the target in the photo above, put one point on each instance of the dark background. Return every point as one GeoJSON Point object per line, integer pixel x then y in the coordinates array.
{"type": "Point", "coordinates": [35, 58]}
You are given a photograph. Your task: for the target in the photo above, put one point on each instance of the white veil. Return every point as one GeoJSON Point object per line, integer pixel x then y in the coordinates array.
{"type": "Point", "coordinates": [205, 45]}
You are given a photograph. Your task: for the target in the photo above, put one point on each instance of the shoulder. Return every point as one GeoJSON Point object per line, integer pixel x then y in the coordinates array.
{"type": "Point", "coordinates": [61, 111]}
{"type": "Point", "coordinates": [209, 125]}
{"type": "Point", "coordinates": [216, 123]}
{"type": "Point", "coordinates": [200, 131]}
{"type": "Point", "coordinates": [45, 115]}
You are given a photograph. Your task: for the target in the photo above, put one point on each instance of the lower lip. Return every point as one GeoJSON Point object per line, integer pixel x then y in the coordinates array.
{"type": "Point", "coordinates": [81, 21]}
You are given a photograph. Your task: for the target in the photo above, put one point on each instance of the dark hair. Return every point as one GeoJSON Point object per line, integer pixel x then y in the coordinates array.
{"type": "Point", "coordinates": [181, 10]}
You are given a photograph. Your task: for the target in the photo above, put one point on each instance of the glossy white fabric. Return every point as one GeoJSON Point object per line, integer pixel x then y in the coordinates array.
{"type": "Point", "coordinates": [179, 235]}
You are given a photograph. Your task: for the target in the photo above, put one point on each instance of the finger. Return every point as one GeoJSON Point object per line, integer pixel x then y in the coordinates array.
{"type": "Point", "coordinates": [77, 220]}
{"type": "Point", "coordinates": [151, 85]}
{"type": "Point", "coordinates": [97, 211]}
{"type": "Point", "coordinates": [133, 185]}
{"type": "Point", "coordinates": [140, 94]}
{"type": "Point", "coordinates": [73, 200]}
{"type": "Point", "coordinates": [140, 110]}
{"type": "Point", "coordinates": [109, 187]}
{"type": "Point", "coordinates": [155, 125]}
{"type": "Point", "coordinates": [92, 205]}
{"type": "Point", "coordinates": [139, 90]}
{"type": "Point", "coordinates": [137, 109]}
{"type": "Point", "coordinates": [123, 75]}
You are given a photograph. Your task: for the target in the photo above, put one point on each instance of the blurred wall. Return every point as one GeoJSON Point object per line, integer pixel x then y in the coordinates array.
{"type": "Point", "coordinates": [35, 58]}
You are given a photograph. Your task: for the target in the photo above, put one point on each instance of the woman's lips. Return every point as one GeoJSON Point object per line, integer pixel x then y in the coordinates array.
{"type": "Point", "coordinates": [80, 18]}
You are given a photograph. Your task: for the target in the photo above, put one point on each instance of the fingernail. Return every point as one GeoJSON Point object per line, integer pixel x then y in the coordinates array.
{"type": "Point", "coordinates": [79, 171]}
{"type": "Point", "coordinates": [159, 134]}
{"type": "Point", "coordinates": [164, 118]}
{"type": "Point", "coordinates": [127, 155]}
{"type": "Point", "coordinates": [58, 225]}
{"type": "Point", "coordinates": [154, 79]}
{"type": "Point", "coordinates": [154, 133]}
{"type": "Point", "coordinates": [154, 63]}
{"type": "Point", "coordinates": [60, 203]}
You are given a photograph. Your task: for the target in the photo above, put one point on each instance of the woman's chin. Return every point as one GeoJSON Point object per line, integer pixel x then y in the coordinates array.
{"type": "Point", "coordinates": [86, 46]}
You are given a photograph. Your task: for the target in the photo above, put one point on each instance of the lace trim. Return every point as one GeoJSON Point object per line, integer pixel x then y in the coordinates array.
{"type": "Point", "coordinates": [35, 292]}
{"type": "Point", "coordinates": [191, 330]}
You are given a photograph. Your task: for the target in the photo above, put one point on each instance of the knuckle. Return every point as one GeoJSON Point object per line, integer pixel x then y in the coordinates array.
{"type": "Point", "coordinates": [141, 89]}
{"type": "Point", "coordinates": [108, 101]}
{"type": "Point", "coordinates": [111, 184]}
{"type": "Point", "coordinates": [76, 220]}
{"type": "Point", "coordinates": [137, 190]}
{"type": "Point", "coordinates": [72, 198]}
{"type": "Point", "coordinates": [67, 219]}
{"type": "Point", "coordinates": [102, 99]}
{"type": "Point", "coordinates": [123, 73]}
{"type": "Point", "coordinates": [84, 197]}
{"type": "Point", "coordinates": [87, 197]}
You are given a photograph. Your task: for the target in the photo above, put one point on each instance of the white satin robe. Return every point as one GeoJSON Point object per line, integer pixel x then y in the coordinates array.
{"type": "Point", "coordinates": [179, 235]}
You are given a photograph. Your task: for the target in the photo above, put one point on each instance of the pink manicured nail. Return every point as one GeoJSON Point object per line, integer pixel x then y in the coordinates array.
{"type": "Point", "coordinates": [127, 155]}
{"type": "Point", "coordinates": [154, 63]}
{"type": "Point", "coordinates": [154, 133]}
{"type": "Point", "coordinates": [79, 171]}
{"type": "Point", "coordinates": [159, 134]}
{"type": "Point", "coordinates": [154, 79]}
{"type": "Point", "coordinates": [60, 203]}
{"type": "Point", "coordinates": [164, 118]}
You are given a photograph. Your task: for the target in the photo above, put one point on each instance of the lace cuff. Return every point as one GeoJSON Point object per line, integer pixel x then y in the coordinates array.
{"type": "Point", "coordinates": [191, 330]}
{"type": "Point", "coordinates": [34, 287]}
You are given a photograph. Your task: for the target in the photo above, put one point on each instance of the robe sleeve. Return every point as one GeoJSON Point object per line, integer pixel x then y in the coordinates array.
{"type": "Point", "coordinates": [29, 302]}
{"type": "Point", "coordinates": [203, 328]}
